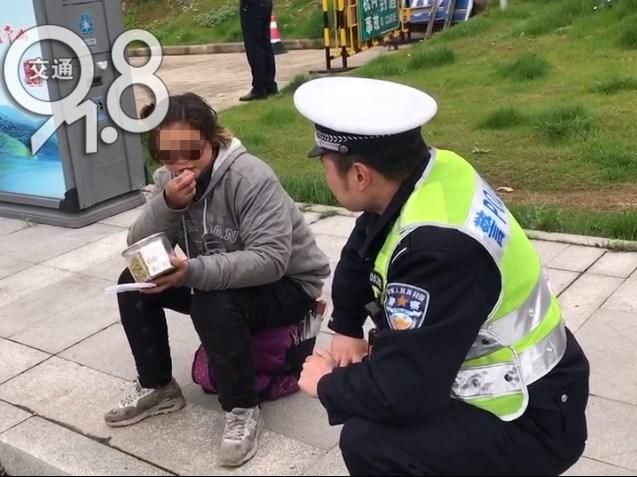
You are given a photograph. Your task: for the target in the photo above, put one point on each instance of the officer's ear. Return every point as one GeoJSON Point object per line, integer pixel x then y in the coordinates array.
{"type": "Point", "coordinates": [362, 175]}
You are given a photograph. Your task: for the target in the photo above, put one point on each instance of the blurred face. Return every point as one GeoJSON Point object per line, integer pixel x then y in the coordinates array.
{"type": "Point", "coordinates": [182, 148]}
{"type": "Point", "coordinates": [352, 190]}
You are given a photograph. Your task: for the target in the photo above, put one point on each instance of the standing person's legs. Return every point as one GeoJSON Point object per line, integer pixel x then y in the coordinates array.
{"type": "Point", "coordinates": [251, 26]}
{"type": "Point", "coordinates": [225, 321]}
{"type": "Point", "coordinates": [144, 322]}
{"type": "Point", "coordinates": [270, 62]}
{"type": "Point", "coordinates": [460, 440]}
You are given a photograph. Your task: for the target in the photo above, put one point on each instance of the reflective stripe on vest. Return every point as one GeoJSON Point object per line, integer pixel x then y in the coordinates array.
{"type": "Point", "coordinates": [524, 337]}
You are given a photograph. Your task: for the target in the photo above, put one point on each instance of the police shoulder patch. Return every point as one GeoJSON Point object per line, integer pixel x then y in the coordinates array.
{"type": "Point", "coordinates": [405, 306]}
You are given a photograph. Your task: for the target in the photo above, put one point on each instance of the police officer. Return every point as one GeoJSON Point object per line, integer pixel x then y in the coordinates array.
{"type": "Point", "coordinates": [255, 25]}
{"type": "Point", "coordinates": [472, 370]}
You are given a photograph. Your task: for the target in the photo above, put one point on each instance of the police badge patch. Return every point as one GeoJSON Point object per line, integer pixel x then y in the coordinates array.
{"type": "Point", "coordinates": [405, 306]}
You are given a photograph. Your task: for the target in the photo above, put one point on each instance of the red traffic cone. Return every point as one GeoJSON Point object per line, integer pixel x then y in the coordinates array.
{"type": "Point", "coordinates": [275, 37]}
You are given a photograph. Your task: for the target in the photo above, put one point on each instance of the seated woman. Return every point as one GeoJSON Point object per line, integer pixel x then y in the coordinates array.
{"type": "Point", "coordinates": [253, 265]}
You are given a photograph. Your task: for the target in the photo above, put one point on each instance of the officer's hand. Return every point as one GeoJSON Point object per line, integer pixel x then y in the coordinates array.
{"type": "Point", "coordinates": [317, 366]}
{"type": "Point", "coordinates": [181, 190]}
{"type": "Point", "coordinates": [346, 350]}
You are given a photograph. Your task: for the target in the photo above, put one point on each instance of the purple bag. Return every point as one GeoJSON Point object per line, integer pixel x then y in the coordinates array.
{"type": "Point", "coordinates": [279, 354]}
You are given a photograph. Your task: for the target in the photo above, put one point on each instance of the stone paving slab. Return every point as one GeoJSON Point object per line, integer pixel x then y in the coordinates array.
{"type": "Point", "coordinates": [108, 351]}
{"type": "Point", "coordinates": [560, 280]}
{"type": "Point", "coordinates": [51, 292]}
{"type": "Point", "coordinates": [16, 358]}
{"type": "Point", "coordinates": [616, 264]}
{"type": "Point", "coordinates": [185, 443]}
{"type": "Point", "coordinates": [87, 259]}
{"type": "Point", "coordinates": [70, 326]}
{"type": "Point", "coordinates": [625, 298]}
{"type": "Point", "coordinates": [336, 226]}
{"type": "Point", "coordinates": [53, 450]}
{"type": "Point", "coordinates": [610, 341]}
{"type": "Point", "coordinates": [549, 250]}
{"type": "Point", "coordinates": [8, 226]}
{"type": "Point", "coordinates": [311, 217]}
{"type": "Point", "coordinates": [330, 465]}
{"type": "Point", "coordinates": [611, 427]}
{"type": "Point", "coordinates": [42, 242]}
{"type": "Point", "coordinates": [108, 270]}
{"type": "Point", "coordinates": [298, 417]}
{"type": "Point", "coordinates": [331, 245]}
{"type": "Point", "coordinates": [10, 266]}
{"type": "Point", "coordinates": [11, 416]}
{"type": "Point", "coordinates": [125, 219]}
{"type": "Point", "coordinates": [17, 286]}
{"type": "Point", "coordinates": [585, 296]}
{"type": "Point", "coordinates": [68, 393]}
{"type": "Point", "coordinates": [592, 467]}
{"type": "Point", "coordinates": [576, 258]}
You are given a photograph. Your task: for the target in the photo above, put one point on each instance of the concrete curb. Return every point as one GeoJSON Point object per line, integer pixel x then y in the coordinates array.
{"type": "Point", "coordinates": [584, 240]}
{"type": "Point", "coordinates": [571, 239]}
{"type": "Point", "coordinates": [326, 211]}
{"type": "Point", "coordinates": [38, 446]}
{"type": "Point", "coordinates": [216, 48]}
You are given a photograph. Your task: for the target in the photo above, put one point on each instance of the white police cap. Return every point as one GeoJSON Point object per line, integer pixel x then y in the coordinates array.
{"type": "Point", "coordinates": [349, 112]}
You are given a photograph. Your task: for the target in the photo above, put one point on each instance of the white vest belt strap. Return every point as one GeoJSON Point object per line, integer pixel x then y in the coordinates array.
{"type": "Point", "coordinates": [513, 327]}
{"type": "Point", "coordinates": [502, 379]}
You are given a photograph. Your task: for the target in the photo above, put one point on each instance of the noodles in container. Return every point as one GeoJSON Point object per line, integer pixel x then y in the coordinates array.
{"type": "Point", "coordinates": [149, 258]}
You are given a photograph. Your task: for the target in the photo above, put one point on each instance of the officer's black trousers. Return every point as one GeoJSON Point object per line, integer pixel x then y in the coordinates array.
{"type": "Point", "coordinates": [255, 24]}
{"type": "Point", "coordinates": [462, 440]}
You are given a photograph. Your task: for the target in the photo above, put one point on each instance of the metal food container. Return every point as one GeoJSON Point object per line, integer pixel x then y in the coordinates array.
{"type": "Point", "coordinates": [149, 258]}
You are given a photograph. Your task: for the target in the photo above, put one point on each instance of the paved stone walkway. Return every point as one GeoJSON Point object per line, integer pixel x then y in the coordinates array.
{"type": "Point", "coordinates": [64, 361]}
{"type": "Point", "coordinates": [223, 78]}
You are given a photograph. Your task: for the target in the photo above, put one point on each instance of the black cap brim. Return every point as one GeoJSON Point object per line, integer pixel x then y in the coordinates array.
{"type": "Point", "coordinates": [317, 151]}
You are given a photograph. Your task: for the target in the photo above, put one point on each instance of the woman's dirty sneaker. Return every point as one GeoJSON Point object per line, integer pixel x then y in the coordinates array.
{"type": "Point", "coordinates": [240, 436]}
{"type": "Point", "coordinates": [141, 403]}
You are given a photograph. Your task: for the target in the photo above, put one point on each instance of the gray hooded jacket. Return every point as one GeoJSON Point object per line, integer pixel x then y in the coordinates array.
{"type": "Point", "coordinates": [244, 231]}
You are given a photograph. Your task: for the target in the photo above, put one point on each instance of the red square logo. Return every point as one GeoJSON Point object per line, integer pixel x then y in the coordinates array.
{"type": "Point", "coordinates": [31, 74]}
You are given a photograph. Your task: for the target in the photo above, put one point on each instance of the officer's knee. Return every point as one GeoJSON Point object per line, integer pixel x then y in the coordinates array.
{"type": "Point", "coordinates": [356, 441]}
{"type": "Point", "coordinates": [125, 277]}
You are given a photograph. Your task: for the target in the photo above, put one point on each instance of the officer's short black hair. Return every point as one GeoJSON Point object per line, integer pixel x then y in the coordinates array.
{"type": "Point", "coordinates": [394, 165]}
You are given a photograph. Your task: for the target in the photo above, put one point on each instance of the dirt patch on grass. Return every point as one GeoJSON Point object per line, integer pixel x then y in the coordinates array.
{"type": "Point", "coordinates": [617, 199]}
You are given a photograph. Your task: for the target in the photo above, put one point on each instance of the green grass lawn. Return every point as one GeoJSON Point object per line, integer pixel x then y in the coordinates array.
{"type": "Point", "coordinates": [187, 22]}
{"type": "Point", "coordinates": [540, 98]}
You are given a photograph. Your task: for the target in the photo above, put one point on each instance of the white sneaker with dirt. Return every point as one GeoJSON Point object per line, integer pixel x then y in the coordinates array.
{"type": "Point", "coordinates": [240, 436]}
{"type": "Point", "coordinates": [141, 403]}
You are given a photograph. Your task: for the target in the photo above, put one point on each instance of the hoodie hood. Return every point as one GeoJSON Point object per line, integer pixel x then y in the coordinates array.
{"type": "Point", "coordinates": [227, 155]}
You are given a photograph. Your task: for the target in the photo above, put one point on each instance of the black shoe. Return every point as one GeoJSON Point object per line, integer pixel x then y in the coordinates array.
{"type": "Point", "coordinates": [253, 95]}
{"type": "Point", "coordinates": [273, 91]}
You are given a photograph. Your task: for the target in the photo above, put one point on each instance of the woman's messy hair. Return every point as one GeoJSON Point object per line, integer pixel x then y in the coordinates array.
{"type": "Point", "coordinates": [191, 109]}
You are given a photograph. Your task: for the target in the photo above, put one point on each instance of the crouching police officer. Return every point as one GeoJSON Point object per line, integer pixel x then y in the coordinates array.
{"type": "Point", "coordinates": [472, 371]}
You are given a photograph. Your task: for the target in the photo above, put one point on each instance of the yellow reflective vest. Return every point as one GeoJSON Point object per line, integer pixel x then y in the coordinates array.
{"type": "Point", "coordinates": [524, 336]}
